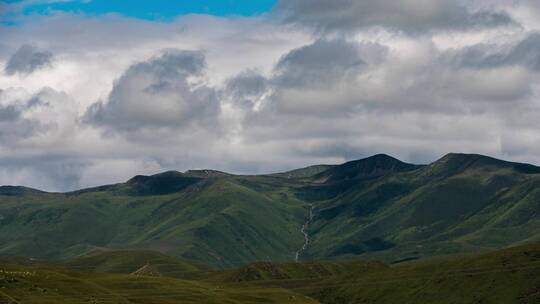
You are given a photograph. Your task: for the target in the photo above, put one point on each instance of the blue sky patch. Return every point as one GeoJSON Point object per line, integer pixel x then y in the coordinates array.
{"type": "Point", "coordinates": [145, 9]}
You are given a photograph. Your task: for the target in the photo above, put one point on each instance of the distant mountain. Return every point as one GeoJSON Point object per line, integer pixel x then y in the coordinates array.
{"type": "Point", "coordinates": [460, 203]}
{"type": "Point", "coordinates": [371, 167]}
{"type": "Point", "coordinates": [16, 191]}
{"type": "Point", "coordinates": [377, 206]}
{"type": "Point", "coordinates": [306, 172]}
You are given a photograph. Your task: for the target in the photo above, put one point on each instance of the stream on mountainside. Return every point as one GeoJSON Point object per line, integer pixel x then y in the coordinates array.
{"type": "Point", "coordinates": [305, 233]}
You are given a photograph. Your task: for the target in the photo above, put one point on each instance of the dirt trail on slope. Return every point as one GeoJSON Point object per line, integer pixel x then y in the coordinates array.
{"type": "Point", "coordinates": [305, 233]}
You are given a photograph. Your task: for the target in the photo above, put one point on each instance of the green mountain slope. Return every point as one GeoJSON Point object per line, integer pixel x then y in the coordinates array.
{"type": "Point", "coordinates": [461, 203]}
{"type": "Point", "coordinates": [226, 221]}
{"type": "Point", "coordinates": [304, 173]}
{"type": "Point", "coordinates": [378, 206]}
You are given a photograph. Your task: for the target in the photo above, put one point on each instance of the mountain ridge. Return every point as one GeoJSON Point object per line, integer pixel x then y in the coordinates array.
{"type": "Point", "coordinates": [378, 207]}
{"type": "Point", "coordinates": [208, 173]}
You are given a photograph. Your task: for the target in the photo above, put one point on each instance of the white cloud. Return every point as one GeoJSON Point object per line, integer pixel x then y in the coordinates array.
{"type": "Point", "coordinates": [254, 95]}
{"type": "Point", "coordinates": [159, 93]}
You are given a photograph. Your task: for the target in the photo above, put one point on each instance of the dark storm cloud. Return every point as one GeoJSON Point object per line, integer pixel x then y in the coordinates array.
{"type": "Point", "coordinates": [158, 93]}
{"type": "Point", "coordinates": [525, 52]}
{"type": "Point", "coordinates": [318, 64]}
{"type": "Point", "coordinates": [247, 83]}
{"type": "Point", "coordinates": [410, 16]}
{"type": "Point", "coordinates": [27, 59]}
{"type": "Point", "coordinates": [9, 113]}
{"type": "Point", "coordinates": [246, 88]}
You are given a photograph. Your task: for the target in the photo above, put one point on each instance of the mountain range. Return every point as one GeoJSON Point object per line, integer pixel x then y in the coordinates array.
{"type": "Point", "coordinates": [378, 207]}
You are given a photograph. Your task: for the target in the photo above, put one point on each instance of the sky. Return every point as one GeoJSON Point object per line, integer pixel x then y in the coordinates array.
{"type": "Point", "coordinates": [162, 10]}
{"type": "Point", "coordinates": [94, 92]}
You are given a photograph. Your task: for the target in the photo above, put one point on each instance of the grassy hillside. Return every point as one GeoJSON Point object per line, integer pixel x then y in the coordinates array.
{"type": "Point", "coordinates": [378, 207]}
{"type": "Point", "coordinates": [225, 221]}
{"type": "Point", "coordinates": [507, 276]}
{"type": "Point", "coordinates": [131, 261]}
{"type": "Point", "coordinates": [41, 284]}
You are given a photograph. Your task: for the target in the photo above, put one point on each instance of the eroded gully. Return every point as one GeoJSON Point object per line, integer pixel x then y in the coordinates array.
{"type": "Point", "coordinates": [305, 232]}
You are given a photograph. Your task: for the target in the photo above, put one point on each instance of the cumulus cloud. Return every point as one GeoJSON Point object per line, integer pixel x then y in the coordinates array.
{"type": "Point", "coordinates": [40, 119]}
{"type": "Point", "coordinates": [360, 98]}
{"type": "Point", "coordinates": [35, 129]}
{"type": "Point", "coordinates": [259, 96]}
{"type": "Point", "coordinates": [28, 59]}
{"type": "Point", "coordinates": [410, 16]}
{"type": "Point", "coordinates": [303, 78]}
{"type": "Point", "coordinates": [160, 92]}
{"type": "Point", "coordinates": [336, 77]}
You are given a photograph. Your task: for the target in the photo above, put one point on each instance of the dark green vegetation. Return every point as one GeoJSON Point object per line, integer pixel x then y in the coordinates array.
{"type": "Point", "coordinates": [461, 203]}
{"type": "Point", "coordinates": [149, 240]}
{"type": "Point", "coordinates": [26, 281]}
{"type": "Point", "coordinates": [507, 276]}
{"type": "Point", "coordinates": [378, 207]}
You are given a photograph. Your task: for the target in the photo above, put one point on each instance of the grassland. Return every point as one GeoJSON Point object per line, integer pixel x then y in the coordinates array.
{"type": "Point", "coordinates": [505, 276]}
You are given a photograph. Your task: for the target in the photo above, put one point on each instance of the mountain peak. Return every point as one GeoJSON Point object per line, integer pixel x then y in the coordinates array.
{"type": "Point", "coordinates": [468, 156]}
{"type": "Point", "coordinates": [454, 163]}
{"type": "Point", "coordinates": [305, 172]}
{"type": "Point", "coordinates": [381, 156]}
{"type": "Point", "coordinates": [142, 178]}
{"type": "Point", "coordinates": [206, 173]}
{"type": "Point", "coordinates": [16, 190]}
{"type": "Point", "coordinates": [161, 183]}
{"type": "Point", "coordinates": [373, 166]}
